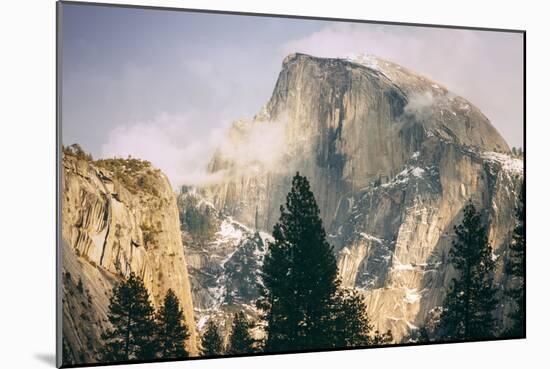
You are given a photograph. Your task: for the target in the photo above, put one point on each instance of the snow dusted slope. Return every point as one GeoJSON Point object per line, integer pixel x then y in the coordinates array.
{"type": "Point", "coordinates": [224, 269]}
{"type": "Point", "coordinates": [506, 162]}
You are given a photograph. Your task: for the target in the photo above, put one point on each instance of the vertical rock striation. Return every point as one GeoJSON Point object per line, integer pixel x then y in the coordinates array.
{"type": "Point", "coordinates": [118, 216]}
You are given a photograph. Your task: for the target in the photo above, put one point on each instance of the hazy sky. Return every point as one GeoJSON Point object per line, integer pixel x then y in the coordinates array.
{"type": "Point", "coordinates": [163, 85]}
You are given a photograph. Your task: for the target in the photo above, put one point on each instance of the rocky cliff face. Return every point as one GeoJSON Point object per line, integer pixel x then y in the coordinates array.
{"type": "Point", "coordinates": [118, 216]}
{"type": "Point", "coordinates": [392, 158]}
{"type": "Point", "coordinates": [224, 265]}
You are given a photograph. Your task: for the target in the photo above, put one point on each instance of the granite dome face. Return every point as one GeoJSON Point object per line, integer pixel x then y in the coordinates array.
{"type": "Point", "coordinates": [392, 158]}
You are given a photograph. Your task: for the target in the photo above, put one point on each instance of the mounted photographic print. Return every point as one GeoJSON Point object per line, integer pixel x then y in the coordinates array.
{"type": "Point", "coordinates": [236, 184]}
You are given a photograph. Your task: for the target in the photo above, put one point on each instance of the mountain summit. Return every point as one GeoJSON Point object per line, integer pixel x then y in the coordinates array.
{"type": "Point", "coordinates": [392, 158]}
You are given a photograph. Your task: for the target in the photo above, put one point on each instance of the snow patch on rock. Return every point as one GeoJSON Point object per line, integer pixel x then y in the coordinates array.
{"type": "Point", "coordinates": [369, 61]}
{"type": "Point", "coordinates": [506, 161]}
{"type": "Point", "coordinates": [411, 295]}
{"type": "Point", "coordinates": [404, 176]}
{"type": "Point", "coordinates": [370, 237]}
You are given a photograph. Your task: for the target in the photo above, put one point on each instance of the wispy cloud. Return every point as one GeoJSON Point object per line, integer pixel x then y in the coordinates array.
{"type": "Point", "coordinates": [420, 106]}
{"type": "Point", "coordinates": [171, 143]}
{"type": "Point", "coordinates": [176, 145]}
{"type": "Point", "coordinates": [255, 145]}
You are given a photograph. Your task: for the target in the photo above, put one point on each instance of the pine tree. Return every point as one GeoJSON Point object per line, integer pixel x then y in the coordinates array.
{"type": "Point", "coordinates": [240, 340]}
{"type": "Point", "coordinates": [212, 343]}
{"type": "Point", "coordinates": [380, 338]}
{"type": "Point", "coordinates": [352, 325]}
{"type": "Point", "coordinates": [299, 277]}
{"type": "Point", "coordinates": [131, 315]}
{"type": "Point", "coordinates": [516, 268]}
{"type": "Point", "coordinates": [418, 335]}
{"type": "Point", "coordinates": [469, 305]}
{"type": "Point", "coordinates": [67, 354]}
{"type": "Point", "coordinates": [172, 330]}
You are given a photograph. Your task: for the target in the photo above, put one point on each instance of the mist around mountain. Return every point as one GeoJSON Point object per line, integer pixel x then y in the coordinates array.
{"type": "Point", "coordinates": [364, 205]}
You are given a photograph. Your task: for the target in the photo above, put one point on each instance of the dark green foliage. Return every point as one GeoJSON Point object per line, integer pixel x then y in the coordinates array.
{"type": "Point", "coordinates": [516, 269]}
{"type": "Point", "coordinates": [301, 299]}
{"type": "Point", "coordinates": [79, 286]}
{"type": "Point", "coordinates": [428, 331]}
{"type": "Point", "coordinates": [212, 343]}
{"type": "Point", "coordinates": [420, 335]}
{"type": "Point", "coordinates": [172, 330]}
{"type": "Point", "coordinates": [242, 269]}
{"type": "Point", "coordinates": [136, 175]}
{"type": "Point", "coordinates": [423, 335]}
{"type": "Point", "coordinates": [133, 333]}
{"type": "Point", "coordinates": [199, 222]}
{"type": "Point", "coordinates": [469, 305]}
{"type": "Point", "coordinates": [67, 355]}
{"type": "Point", "coordinates": [352, 325]}
{"type": "Point", "coordinates": [150, 234]}
{"type": "Point", "coordinates": [77, 151]}
{"type": "Point", "coordinates": [299, 277]}
{"type": "Point", "coordinates": [240, 340]}
{"type": "Point", "coordinates": [379, 338]}
{"type": "Point", "coordinates": [517, 152]}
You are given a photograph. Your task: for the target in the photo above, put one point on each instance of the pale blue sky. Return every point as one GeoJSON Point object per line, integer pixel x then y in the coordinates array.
{"type": "Point", "coordinates": [123, 66]}
{"type": "Point", "coordinates": [156, 83]}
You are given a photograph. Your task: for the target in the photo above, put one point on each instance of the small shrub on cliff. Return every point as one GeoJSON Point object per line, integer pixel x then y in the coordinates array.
{"type": "Point", "coordinates": [135, 175]}
{"type": "Point", "coordinates": [80, 286]}
{"type": "Point", "coordinates": [381, 338]}
{"type": "Point", "coordinates": [150, 235]}
{"type": "Point", "coordinates": [517, 152]}
{"type": "Point", "coordinates": [419, 335]}
{"type": "Point", "coordinates": [77, 151]}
